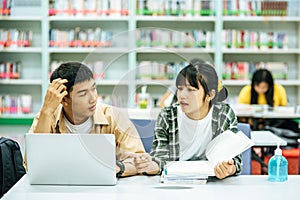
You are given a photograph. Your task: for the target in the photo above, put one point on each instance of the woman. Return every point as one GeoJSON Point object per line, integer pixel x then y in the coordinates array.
{"type": "Point", "coordinates": [184, 129]}
{"type": "Point", "coordinates": [263, 90]}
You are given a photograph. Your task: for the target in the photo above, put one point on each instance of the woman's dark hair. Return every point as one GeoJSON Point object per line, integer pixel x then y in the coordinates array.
{"type": "Point", "coordinates": [205, 75]}
{"type": "Point", "coordinates": [262, 75]}
{"type": "Point", "coordinates": [74, 72]}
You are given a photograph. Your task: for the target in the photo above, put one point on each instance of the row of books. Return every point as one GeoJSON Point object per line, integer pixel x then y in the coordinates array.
{"type": "Point", "coordinates": [154, 7]}
{"type": "Point", "coordinates": [98, 68]}
{"type": "Point", "coordinates": [15, 38]}
{"type": "Point", "coordinates": [5, 7]}
{"type": "Point", "coordinates": [114, 100]}
{"type": "Point", "coordinates": [176, 7]}
{"type": "Point", "coordinates": [20, 7]}
{"type": "Point", "coordinates": [245, 70]}
{"type": "Point", "coordinates": [10, 70]}
{"type": "Point", "coordinates": [88, 7]}
{"type": "Point", "coordinates": [255, 7]}
{"type": "Point", "coordinates": [170, 38]}
{"type": "Point", "coordinates": [15, 104]}
{"type": "Point", "coordinates": [207, 7]}
{"type": "Point", "coordinates": [254, 40]}
{"type": "Point", "coordinates": [80, 38]}
{"type": "Point", "coordinates": [149, 70]}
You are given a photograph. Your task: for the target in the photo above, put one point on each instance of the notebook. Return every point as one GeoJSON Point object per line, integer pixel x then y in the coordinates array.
{"type": "Point", "coordinates": [71, 159]}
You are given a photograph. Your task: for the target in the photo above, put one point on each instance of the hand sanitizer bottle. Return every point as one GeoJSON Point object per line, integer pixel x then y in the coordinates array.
{"type": "Point", "coordinates": [278, 167]}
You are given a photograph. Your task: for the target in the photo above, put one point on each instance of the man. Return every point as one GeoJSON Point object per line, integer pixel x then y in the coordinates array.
{"type": "Point", "coordinates": [70, 106]}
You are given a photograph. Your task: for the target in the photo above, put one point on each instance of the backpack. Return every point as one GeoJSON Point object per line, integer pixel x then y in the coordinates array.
{"type": "Point", "coordinates": [11, 164]}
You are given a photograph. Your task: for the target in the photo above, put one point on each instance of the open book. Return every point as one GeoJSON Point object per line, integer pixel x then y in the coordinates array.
{"type": "Point", "coordinates": [222, 148]}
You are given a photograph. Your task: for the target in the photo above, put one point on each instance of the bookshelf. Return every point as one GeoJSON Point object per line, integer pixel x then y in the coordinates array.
{"type": "Point", "coordinates": [289, 25]}
{"type": "Point", "coordinates": [121, 60]}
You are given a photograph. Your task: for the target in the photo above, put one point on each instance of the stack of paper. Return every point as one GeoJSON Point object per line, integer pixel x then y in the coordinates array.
{"type": "Point", "coordinates": [191, 172]}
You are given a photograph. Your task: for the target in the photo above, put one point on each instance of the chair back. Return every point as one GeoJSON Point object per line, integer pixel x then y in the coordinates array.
{"type": "Point", "coordinates": [246, 155]}
{"type": "Point", "coordinates": [145, 128]}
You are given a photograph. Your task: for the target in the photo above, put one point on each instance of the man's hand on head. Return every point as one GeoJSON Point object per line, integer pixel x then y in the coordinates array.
{"type": "Point", "coordinates": [55, 94]}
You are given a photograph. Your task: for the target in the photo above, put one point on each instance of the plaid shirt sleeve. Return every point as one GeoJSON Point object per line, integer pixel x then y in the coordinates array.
{"type": "Point", "coordinates": [165, 145]}
{"type": "Point", "coordinates": [160, 146]}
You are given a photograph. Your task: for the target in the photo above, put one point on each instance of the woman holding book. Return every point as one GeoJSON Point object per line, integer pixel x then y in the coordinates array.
{"type": "Point", "coordinates": [184, 129]}
{"type": "Point", "coordinates": [263, 90]}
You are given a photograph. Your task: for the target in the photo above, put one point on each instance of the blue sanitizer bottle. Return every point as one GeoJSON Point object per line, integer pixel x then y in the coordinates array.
{"type": "Point", "coordinates": [278, 167]}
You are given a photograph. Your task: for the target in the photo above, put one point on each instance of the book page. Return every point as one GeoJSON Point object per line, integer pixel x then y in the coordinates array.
{"type": "Point", "coordinates": [189, 168]}
{"type": "Point", "coordinates": [226, 146]}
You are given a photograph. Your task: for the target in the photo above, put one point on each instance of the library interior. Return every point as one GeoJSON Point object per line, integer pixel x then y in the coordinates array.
{"type": "Point", "coordinates": [136, 51]}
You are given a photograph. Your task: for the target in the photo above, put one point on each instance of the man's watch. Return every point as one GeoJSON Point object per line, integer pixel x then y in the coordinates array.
{"type": "Point", "coordinates": [122, 168]}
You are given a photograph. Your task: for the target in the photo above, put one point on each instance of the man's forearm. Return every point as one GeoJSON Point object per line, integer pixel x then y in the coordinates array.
{"type": "Point", "coordinates": [44, 123]}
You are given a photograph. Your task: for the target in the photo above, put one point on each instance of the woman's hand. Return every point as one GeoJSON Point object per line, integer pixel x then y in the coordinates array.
{"type": "Point", "coordinates": [225, 169]}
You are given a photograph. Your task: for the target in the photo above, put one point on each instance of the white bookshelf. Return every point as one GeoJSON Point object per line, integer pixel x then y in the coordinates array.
{"type": "Point", "coordinates": [21, 82]}
{"type": "Point", "coordinates": [122, 58]}
{"type": "Point", "coordinates": [176, 18]}
{"type": "Point", "coordinates": [246, 82]}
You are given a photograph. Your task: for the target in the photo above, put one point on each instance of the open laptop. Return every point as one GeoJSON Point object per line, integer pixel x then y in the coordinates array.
{"type": "Point", "coordinates": [71, 159]}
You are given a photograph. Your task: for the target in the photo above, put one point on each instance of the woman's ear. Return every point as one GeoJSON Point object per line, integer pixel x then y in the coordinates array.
{"type": "Point", "coordinates": [211, 95]}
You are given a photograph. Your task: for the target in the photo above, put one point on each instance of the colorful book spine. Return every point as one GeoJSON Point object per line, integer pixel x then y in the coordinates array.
{"type": "Point", "coordinates": [149, 70]}
{"type": "Point", "coordinates": [244, 70]}
{"type": "Point", "coordinates": [14, 38]}
{"type": "Point", "coordinates": [246, 39]}
{"type": "Point", "coordinates": [88, 38]}
{"type": "Point", "coordinates": [15, 104]}
{"type": "Point", "coordinates": [88, 8]}
{"type": "Point", "coordinates": [10, 70]}
{"type": "Point", "coordinates": [188, 8]}
{"type": "Point", "coordinates": [174, 39]}
{"type": "Point", "coordinates": [255, 8]}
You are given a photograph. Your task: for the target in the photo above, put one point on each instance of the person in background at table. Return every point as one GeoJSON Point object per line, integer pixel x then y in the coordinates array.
{"type": "Point", "coordinates": [70, 106]}
{"type": "Point", "coordinates": [263, 90]}
{"type": "Point", "coordinates": [184, 129]}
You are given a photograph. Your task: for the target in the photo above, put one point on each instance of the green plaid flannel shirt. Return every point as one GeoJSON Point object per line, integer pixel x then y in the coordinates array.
{"type": "Point", "coordinates": [166, 140]}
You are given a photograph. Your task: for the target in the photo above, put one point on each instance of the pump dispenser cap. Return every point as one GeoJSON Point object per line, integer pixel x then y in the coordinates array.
{"type": "Point", "coordinates": [278, 151]}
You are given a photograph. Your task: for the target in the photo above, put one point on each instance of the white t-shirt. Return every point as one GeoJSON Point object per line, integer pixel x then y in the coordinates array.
{"type": "Point", "coordinates": [194, 135]}
{"type": "Point", "coordinates": [85, 127]}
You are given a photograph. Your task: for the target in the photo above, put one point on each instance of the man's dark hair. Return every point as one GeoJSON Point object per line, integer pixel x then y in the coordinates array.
{"type": "Point", "coordinates": [74, 72]}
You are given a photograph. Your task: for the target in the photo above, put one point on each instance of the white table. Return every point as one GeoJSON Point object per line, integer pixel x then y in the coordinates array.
{"type": "Point", "coordinates": [261, 111]}
{"type": "Point", "coordinates": [246, 187]}
{"type": "Point", "coordinates": [266, 138]}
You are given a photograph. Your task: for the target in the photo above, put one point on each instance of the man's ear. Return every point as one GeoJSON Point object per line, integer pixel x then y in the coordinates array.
{"type": "Point", "coordinates": [64, 101]}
